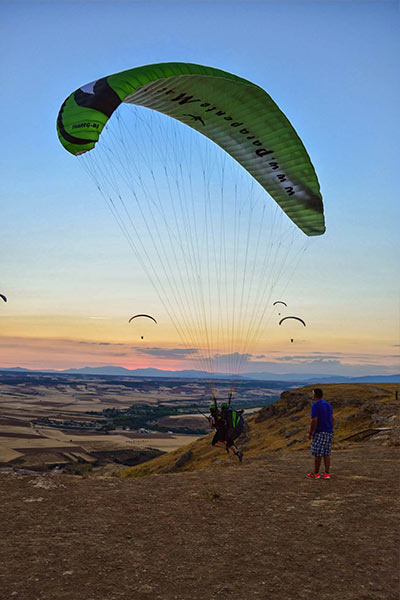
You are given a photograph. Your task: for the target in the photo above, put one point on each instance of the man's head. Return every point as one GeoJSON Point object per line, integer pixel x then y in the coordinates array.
{"type": "Point", "coordinates": [213, 408]}
{"type": "Point", "coordinates": [318, 393]}
{"type": "Point", "coordinates": [224, 405]}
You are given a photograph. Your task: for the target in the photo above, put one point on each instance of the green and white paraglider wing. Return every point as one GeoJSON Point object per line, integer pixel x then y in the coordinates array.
{"type": "Point", "coordinates": [234, 113]}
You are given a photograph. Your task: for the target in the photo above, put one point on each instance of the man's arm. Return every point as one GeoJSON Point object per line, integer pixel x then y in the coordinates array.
{"type": "Point", "coordinates": [313, 425]}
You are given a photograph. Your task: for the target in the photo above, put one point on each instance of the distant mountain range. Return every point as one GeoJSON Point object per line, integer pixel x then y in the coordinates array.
{"type": "Point", "coordinates": [193, 374]}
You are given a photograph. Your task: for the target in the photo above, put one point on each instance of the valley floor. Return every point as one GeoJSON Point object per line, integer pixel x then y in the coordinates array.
{"type": "Point", "coordinates": [258, 530]}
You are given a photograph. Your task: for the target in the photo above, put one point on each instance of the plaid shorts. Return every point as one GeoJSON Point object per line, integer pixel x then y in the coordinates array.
{"type": "Point", "coordinates": [321, 443]}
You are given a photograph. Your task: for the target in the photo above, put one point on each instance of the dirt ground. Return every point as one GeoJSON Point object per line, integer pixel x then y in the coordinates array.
{"type": "Point", "coordinates": [258, 530]}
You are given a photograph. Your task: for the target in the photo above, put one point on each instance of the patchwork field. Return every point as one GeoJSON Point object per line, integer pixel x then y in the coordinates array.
{"type": "Point", "coordinates": [49, 420]}
{"type": "Point", "coordinates": [26, 402]}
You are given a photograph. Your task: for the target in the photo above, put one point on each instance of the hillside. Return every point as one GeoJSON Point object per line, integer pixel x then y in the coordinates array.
{"type": "Point", "coordinates": [367, 413]}
{"type": "Point", "coordinates": [259, 530]}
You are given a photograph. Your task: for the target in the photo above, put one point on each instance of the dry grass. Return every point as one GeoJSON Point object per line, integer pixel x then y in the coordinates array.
{"type": "Point", "coordinates": [351, 402]}
{"type": "Point", "coordinates": [7, 454]}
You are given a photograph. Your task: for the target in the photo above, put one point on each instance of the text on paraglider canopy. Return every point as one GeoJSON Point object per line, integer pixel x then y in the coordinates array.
{"type": "Point", "coordinates": [86, 125]}
{"type": "Point", "coordinates": [184, 98]}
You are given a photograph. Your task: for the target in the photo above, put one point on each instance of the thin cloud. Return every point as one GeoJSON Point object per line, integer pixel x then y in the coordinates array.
{"type": "Point", "coordinates": [84, 343]}
{"type": "Point", "coordinates": [308, 357]}
{"type": "Point", "coordinates": [233, 356]}
{"type": "Point", "coordinates": [168, 353]}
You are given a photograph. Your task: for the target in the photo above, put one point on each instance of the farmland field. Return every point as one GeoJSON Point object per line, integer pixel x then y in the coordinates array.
{"type": "Point", "coordinates": [49, 420]}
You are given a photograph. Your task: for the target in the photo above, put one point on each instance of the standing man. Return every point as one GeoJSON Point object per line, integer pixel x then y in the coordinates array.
{"type": "Point", "coordinates": [321, 433]}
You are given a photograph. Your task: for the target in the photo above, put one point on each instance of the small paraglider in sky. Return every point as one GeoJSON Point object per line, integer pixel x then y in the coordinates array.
{"type": "Point", "coordinates": [147, 316]}
{"type": "Point", "coordinates": [2, 296]}
{"type": "Point", "coordinates": [296, 319]}
{"type": "Point", "coordinates": [279, 302]}
{"type": "Point", "coordinates": [142, 316]}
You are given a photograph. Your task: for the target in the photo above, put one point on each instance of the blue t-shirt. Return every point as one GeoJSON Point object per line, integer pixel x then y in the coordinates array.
{"type": "Point", "coordinates": [323, 410]}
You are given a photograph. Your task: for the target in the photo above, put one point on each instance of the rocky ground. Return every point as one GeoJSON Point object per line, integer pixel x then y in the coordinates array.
{"type": "Point", "coordinates": [258, 530]}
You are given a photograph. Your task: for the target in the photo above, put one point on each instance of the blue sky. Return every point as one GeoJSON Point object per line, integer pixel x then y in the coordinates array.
{"type": "Point", "coordinates": [332, 67]}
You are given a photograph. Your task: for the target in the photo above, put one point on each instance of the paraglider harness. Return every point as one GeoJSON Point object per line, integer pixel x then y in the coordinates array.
{"type": "Point", "coordinates": [234, 422]}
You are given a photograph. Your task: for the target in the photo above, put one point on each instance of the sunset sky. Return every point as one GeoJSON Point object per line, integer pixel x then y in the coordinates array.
{"type": "Point", "coordinates": [68, 273]}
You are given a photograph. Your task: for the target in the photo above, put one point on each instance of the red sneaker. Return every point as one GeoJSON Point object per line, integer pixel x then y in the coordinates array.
{"type": "Point", "coordinates": [325, 475]}
{"type": "Point", "coordinates": [313, 475]}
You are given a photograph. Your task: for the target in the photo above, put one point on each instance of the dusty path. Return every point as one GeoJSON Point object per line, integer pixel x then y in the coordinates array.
{"type": "Point", "coordinates": [260, 530]}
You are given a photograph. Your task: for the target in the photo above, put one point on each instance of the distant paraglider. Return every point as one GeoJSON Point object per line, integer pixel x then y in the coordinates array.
{"type": "Point", "coordinates": [279, 302]}
{"type": "Point", "coordinates": [296, 319]}
{"type": "Point", "coordinates": [145, 316]}
{"type": "Point", "coordinates": [2, 296]}
{"type": "Point", "coordinates": [148, 316]}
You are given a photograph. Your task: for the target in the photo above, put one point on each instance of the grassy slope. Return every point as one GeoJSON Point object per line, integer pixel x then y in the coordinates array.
{"type": "Point", "coordinates": [357, 406]}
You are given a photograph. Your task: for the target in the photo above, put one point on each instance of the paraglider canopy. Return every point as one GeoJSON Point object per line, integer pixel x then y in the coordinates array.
{"type": "Point", "coordinates": [147, 316]}
{"type": "Point", "coordinates": [233, 112]}
{"type": "Point", "coordinates": [2, 296]}
{"type": "Point", "coordinates": [140, 316]}
{"type": "Point", "coordinates": [279, 302]}
{"type": "Point", "coordinates": [295, 318]}
{"type": "Point", "coordinates": [215, 220]}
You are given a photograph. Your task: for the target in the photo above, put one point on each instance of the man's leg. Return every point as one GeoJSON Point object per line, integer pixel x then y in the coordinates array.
{"type": "Point", "coordinates": [220, 444]}
{"type": "Point", "coordinates": [237, 452]}
{"type": "Point", "coordinates": [218, 440]}
{"type": "Point", "coordinates": [327, 462]}
{"type": "Point", "coordinates": [230, 445]}
{"type": "Point", "coordinates": [317, 463]}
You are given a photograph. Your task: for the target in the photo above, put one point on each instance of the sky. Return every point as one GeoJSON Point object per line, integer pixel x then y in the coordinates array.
{"type": "Point", "coordinates": [69, 276]}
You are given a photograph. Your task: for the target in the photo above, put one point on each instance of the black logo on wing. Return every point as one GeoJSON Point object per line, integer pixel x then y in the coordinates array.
{"type": "Point", "coordinates": [195, 118]}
